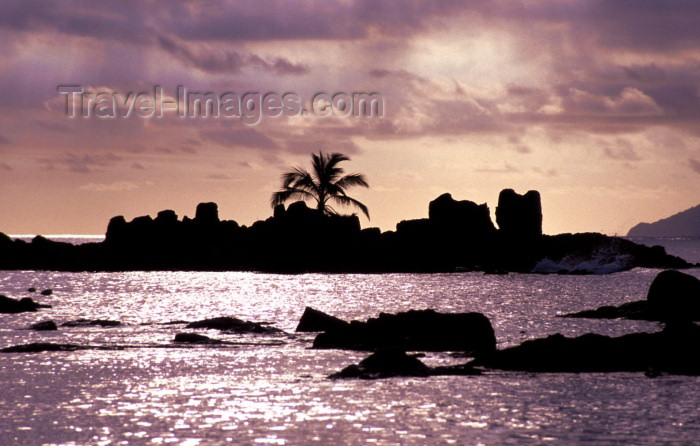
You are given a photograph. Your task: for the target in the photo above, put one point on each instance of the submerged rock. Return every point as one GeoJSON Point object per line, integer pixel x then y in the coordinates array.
{"type": "Point", "coordinates": [91, 323]}
{"type": "Point", "coordinates": [44, 326]}
{"type": "Point", "coordinates": [39, 347]}
{"type": "Point", "coordinates": [673, 350]}
{"type": "Point", "coordinates": [47, 292]}
{"type": "Point", "coordinates": [10, 305]}
{"type": "Point", "coordinates": [425, 330]}
{"type": "Point", "coordinates": [385, 363]}
{"type": "Point", "coordinates": [235, 325]}
{"type": "Point", "coordinates": [391, 362]}
{"type": "Point", "coordinates": [315, 320]}
{"type": "Point", "coordinates": [194, 338]}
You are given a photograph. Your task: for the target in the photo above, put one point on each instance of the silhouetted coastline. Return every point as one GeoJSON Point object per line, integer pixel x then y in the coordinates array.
{"type": "Point", "coordinates": [456, 236]}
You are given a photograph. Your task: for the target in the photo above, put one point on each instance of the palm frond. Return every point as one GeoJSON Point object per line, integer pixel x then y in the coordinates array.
{"type": "Point", "coordinates": [354, 179]}
{"type": "Point", "coordinates": [348, 201]}
{"type": "Point", "coordinates": [281, 196]}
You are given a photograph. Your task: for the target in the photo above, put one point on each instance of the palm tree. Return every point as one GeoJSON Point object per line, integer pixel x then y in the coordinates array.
{"type": "Point", "coordinates": [324, 184]}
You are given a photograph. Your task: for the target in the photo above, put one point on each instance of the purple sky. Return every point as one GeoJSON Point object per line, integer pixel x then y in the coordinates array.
{"type": "Point", "coordinates": [595, 104]}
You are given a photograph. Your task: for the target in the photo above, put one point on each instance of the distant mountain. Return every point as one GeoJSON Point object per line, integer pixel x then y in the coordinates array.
{"type": "Point", "coordinates": [683, 224]}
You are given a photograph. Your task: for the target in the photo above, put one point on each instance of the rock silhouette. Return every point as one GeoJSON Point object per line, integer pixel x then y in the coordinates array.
{"type": "Point", "coordinates": [391, 362]}
{"type": "Point", "coordinates": [315, 320]}
{"type": "Point", "coordinates": [421, 330]}
{"type": "Point", "coordinates": [44, 326]}
{"type": "Point", "coordinates": [234, 325]}
{"type": "Point", "coordinates": [10, 305]}
{"type": "Point", "coordinates": [456, 236]}
{"type": "Point", "coordinates": [673, 350]}
{"type": "Point", "coordinates": [673, 296]}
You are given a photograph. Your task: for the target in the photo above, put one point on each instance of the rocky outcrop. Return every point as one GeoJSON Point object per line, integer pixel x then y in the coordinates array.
{"type": "Point", "coordinates": [10, 305]}
{"type": "Point", "coordinates": [44, 326]}
{"type": "Point", "coordinates": [314, 320]}
{"type": "Point", "coordinates": [91, 323]}
{"type": "Point", "coordinates": [417, 330]}
{"type": "Point", "coordinates": [235, 325]}
{"type": "Point", "coordinates": [673, 296]}
{"type": "Point", "coordinates": [458, 235]}
{"type": "Point", "coordinates": [673, 350]}
{"type": "Point", "coordinates": [519, 216]}
{"type": "Point", "coordinates": [194, 338]}
{"type": "Point", "coordinates": [391, 363]}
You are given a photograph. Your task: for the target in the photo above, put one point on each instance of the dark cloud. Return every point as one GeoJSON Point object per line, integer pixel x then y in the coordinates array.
{"type": "Point", "coordinates": [623, 150]}
{"type": "Point", "coordinates": [5, 166]}
{"type": "Point", "coordinates": [218, 60]}
{"type": "Point", "coordinates": [694, 164]}
{"type": "Point", "coordinates": [137, 166]}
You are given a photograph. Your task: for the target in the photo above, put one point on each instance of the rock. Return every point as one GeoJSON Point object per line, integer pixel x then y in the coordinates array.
{"type": "Point", "coordinates": [421, 330]}
{"type": "Point", "coordinates": [167, 217]}
{"type": "Point", "coordinates": [47, 292]}
{"type": "Point", "coordinates": [39, 347]}
{"type": "Point", "coordinates": [673, 350]}
{"type": "Point", "coordinates": [315, 320]}
{"type": "Point", "coordinates": [519, 216]}
{"type": "Point", "coordinates": [44, 326]}
{"type": "Point", "coordinates": [207, 213]}
{"type": "Point", "coordinates": [91, 323]}
{"type": "Point", "coordinates": [388, 363]}
{"type": "Point", "coordinates": [674, 295]}
{"type": "Point", "coordinates": [465, 216]}
{"type": "Point", "coordinates": [31, 290]}
{"type": "Point", "coordinates": [233, 324]}
{"type": "Point", "coordinates": [9, 305]}
{"type": "Point", "coordinates": [385, 363]}
{"type": "Point", "coordinates": [194, 338]}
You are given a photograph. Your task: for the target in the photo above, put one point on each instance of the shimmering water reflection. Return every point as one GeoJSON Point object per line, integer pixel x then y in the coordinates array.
{"type": "Point", "coordinates": [153, 393]}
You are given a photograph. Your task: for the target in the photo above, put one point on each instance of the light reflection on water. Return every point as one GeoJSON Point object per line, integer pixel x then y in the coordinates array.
{"type": "Point", "coordinates": [153, 393]}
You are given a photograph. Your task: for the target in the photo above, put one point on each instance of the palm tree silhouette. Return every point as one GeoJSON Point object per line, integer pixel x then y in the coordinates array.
{"type": "Point", "coordinates": [324, 184]}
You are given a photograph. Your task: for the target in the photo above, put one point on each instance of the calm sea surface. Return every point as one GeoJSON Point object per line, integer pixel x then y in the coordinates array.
{"type": "Point", "coordinates": [273, 389]}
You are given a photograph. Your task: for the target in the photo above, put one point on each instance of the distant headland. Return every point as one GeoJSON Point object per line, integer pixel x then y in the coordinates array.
{"type": "Point", "coordinates": [682, 224]}
{"type": "Point", "coordinates": [456, 236]}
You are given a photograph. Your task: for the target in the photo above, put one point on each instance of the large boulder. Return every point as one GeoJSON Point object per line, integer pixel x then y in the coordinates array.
{"type": "Point", "coordinates": [417, 330]}
{"type": "Point", "coordinates": [207, 213]}
{"type": "Point", "coordinates": [315, 320]}
{"type": "Point", "coordinates": [385, 363]}
{"type": "Point", "coordinates": [464, 216]}
{"type": "Point", "coordinates": [674, 295]}
{"type": "Point", "coordinates": [519, 216]}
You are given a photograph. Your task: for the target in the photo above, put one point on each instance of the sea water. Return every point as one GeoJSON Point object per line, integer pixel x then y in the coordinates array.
{"type": "Point", "coordinates": [273, 389]}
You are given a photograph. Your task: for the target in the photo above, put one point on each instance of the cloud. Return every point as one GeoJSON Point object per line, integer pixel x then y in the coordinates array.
{"type": "Point", "coordinates": [623, 150]}
{"type": "Point", "coordinates": [5, 166]}
{"type": "Point", "coordinates": [117, 186]}
{"type": "Point", "coordinates": [79, 163]}
{"type": "Point", "coordinates": [217, 60]}
{"type": "Point", "coordinates": [506, 168]}
{"type": "Point", "coordinates": [694, 164]}
{"type": "Point", "coordinates": [218, 176]}
{"type": "Point", "coordinates": [137, 166]}
{"type": "Point", "coordinates": [250, 138]}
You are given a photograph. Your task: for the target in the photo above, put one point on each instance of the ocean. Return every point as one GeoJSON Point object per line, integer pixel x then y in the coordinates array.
{"type": "Point", "coordinates": [273, 389]}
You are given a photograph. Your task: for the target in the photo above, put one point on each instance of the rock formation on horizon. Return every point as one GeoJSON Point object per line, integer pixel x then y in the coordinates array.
{"type": "Point", "coordinates": [682, 224]}
{"type": "Point", "coordinates": [458, 235]}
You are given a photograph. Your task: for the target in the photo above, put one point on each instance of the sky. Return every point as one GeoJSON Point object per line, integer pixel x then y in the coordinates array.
{"type": "Point", "coordinates": [595, 104]}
